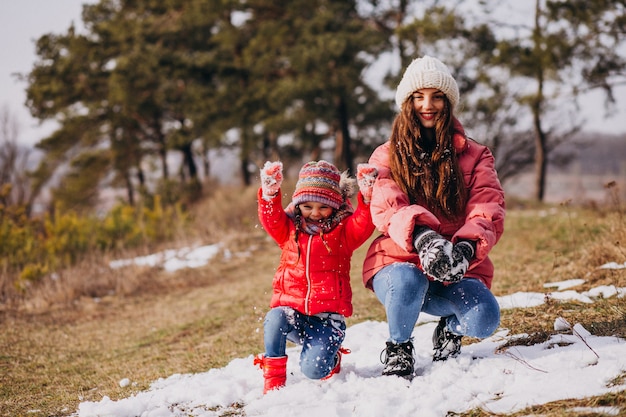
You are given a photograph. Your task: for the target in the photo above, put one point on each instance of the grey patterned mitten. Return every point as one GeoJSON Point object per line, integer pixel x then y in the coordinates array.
{"type": "Point", "coordinates": [462, 253]}
{"type": "Point", "coordinates": [434, 251]}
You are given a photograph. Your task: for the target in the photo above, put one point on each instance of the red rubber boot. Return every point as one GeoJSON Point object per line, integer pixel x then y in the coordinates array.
{"type": "Point", "coordinates": [337, 367]}
{"type": "Point", "coordinates": [274, 371]}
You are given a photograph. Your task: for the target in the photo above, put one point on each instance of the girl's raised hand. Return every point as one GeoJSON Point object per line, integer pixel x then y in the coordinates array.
{"type": "Point", "coordinates": [366, 175]}
{"type": "Point", "coordinates": [271, 179]}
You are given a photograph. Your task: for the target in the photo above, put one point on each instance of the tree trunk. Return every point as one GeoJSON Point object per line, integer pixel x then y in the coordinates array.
{"type": "Point", "coordinates": [163, 155]}
{"type": "Point", "coordinates": [541, 159]}
{"type": "Point", "coordinates": [190, 163]}
{"type": "Point", "coordinates": [244, 157]}
{"type": "Point", "coordinates": [130, 191]}
{"type": "Point", "coordinates": [537, 108]}
{"type": "Point", "coordinates": [244, 170]}
{"type": "Point", "coordinates": [206, 163]}
{"type": "Point", "coordinates": [141, 177]}
{"type": "Point", "coordinates": [343, 145]}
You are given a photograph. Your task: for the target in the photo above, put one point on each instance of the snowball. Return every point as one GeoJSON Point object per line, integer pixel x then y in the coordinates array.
{"type": "Point", "coordinates": [560, 324]}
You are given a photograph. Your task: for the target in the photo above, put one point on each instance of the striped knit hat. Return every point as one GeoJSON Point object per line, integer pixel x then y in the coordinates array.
{"type": "Point", "coordinates": [319, 182]}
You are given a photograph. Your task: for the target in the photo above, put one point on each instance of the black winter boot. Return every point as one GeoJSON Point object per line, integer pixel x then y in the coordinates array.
{"type": "Point", "coordinates": [445, 343]}
{"type": "Point", "coordinates": [398, 359]}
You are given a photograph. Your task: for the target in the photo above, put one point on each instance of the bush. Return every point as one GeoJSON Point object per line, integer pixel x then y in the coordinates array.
{"type": "Point", "coordinates": [31, 248]}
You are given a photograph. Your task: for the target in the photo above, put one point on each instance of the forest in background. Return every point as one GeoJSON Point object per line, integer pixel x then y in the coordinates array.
{"type": "Point", "coordinates": [146, 80]}
{"type": "Point", "coordinates": [152, 95]}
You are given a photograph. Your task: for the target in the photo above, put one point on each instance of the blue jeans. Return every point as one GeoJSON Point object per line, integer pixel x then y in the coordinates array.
{"type": "Point", "coordinates": [405, 291]}
{"type": "Point", "coordinates": [320, 338]}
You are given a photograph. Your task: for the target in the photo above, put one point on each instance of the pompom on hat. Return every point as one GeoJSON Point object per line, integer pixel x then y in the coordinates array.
{"type": "Point", "coordinates": [321, 182]}
{"type": "Point", "coordinates": [427, 72]}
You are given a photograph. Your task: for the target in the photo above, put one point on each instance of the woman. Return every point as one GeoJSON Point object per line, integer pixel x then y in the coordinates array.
{"type": "Point", "coordinates": [440, 209]}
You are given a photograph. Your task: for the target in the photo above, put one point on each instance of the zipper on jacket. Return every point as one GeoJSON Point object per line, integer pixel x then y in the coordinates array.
{"type": "Point", "coordinates": [324, 242]}
{"type": "Point", "coordinates": [308, 276]}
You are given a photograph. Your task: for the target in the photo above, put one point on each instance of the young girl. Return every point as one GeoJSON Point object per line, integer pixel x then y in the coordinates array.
{"type": "Point", "coordinates": [317, 232]}
{"type": "Point", "coordinates": [440, 208]}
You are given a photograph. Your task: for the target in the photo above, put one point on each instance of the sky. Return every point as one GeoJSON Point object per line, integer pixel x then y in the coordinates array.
{"type": "Point", "coordinates": [571, 364]}
{"type": "Point", "coordinates": [23, 22]}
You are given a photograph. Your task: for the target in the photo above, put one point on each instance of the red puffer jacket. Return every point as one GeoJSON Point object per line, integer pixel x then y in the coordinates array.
{"type": "Point", "coordinates": [396, 218]}
{"type": "Point", "coordinates": [313, 275]}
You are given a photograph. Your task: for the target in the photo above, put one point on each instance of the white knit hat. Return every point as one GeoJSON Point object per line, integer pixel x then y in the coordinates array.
{"type": "Point", "coordinates": [427, 72]}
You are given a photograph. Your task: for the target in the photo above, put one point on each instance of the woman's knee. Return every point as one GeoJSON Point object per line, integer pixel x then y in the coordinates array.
{"type": "Point", "coordinates": [476, 308]}
{"type": "Point", "coordinates": [403, 279]}
{"type": "Point", "coordinates": [482, 320]}
{"type": "Point", "coordinates": [489, 321]}
{"type": "Point", "coordinates": [481, 327]}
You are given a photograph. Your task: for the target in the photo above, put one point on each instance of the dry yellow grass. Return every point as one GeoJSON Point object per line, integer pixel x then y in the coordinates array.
{"type": "Point", "coordinates": [75, 338]}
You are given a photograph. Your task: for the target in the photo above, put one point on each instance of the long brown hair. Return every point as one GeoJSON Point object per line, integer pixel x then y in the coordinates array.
{"type": "Point", "coordinates": [425, 165]}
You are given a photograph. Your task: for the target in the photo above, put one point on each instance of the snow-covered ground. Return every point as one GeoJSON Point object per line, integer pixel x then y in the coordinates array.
{"type": "Point", "coordinates": [571, 364]}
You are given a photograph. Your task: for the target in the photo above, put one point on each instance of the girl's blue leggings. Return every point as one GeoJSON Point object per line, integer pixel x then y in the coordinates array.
{"type": "Point", "coordinates": [320, 337]}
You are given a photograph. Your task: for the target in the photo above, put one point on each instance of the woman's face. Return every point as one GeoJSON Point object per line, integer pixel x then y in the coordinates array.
{"type": "Point", "coordinates": [313, 211]}
{"type": "Point", "coordinates": [428, 103]}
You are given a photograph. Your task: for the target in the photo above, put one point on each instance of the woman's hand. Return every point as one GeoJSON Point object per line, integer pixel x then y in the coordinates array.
{"type": "Point", "coordinates": [435, 253]}
{"type": "Point", "coordinates": [462, 253]}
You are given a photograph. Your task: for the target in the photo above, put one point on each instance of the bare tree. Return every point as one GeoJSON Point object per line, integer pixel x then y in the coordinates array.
{"type": "Point", "coordinates": [13, 163]}
{"type": "Point", "coordinates": [571, 48]}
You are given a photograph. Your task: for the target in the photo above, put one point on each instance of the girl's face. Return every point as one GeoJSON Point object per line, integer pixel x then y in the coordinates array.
{"type": "Point", "coordinates": [428, 103]}
{"type": "Point", "coordinates": [313, 211]}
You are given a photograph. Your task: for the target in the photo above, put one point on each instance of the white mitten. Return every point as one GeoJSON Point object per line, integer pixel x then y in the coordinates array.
{"type": "Point", "coordinates": [366, 175]}
{"type": "Point", "coordinates": [271, 179]}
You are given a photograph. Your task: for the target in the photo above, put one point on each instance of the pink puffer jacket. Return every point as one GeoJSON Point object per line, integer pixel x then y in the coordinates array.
{"type": "Point", "coordinates": [396, 218]}
{"type": "Point", "coordinates": [313, 275]}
